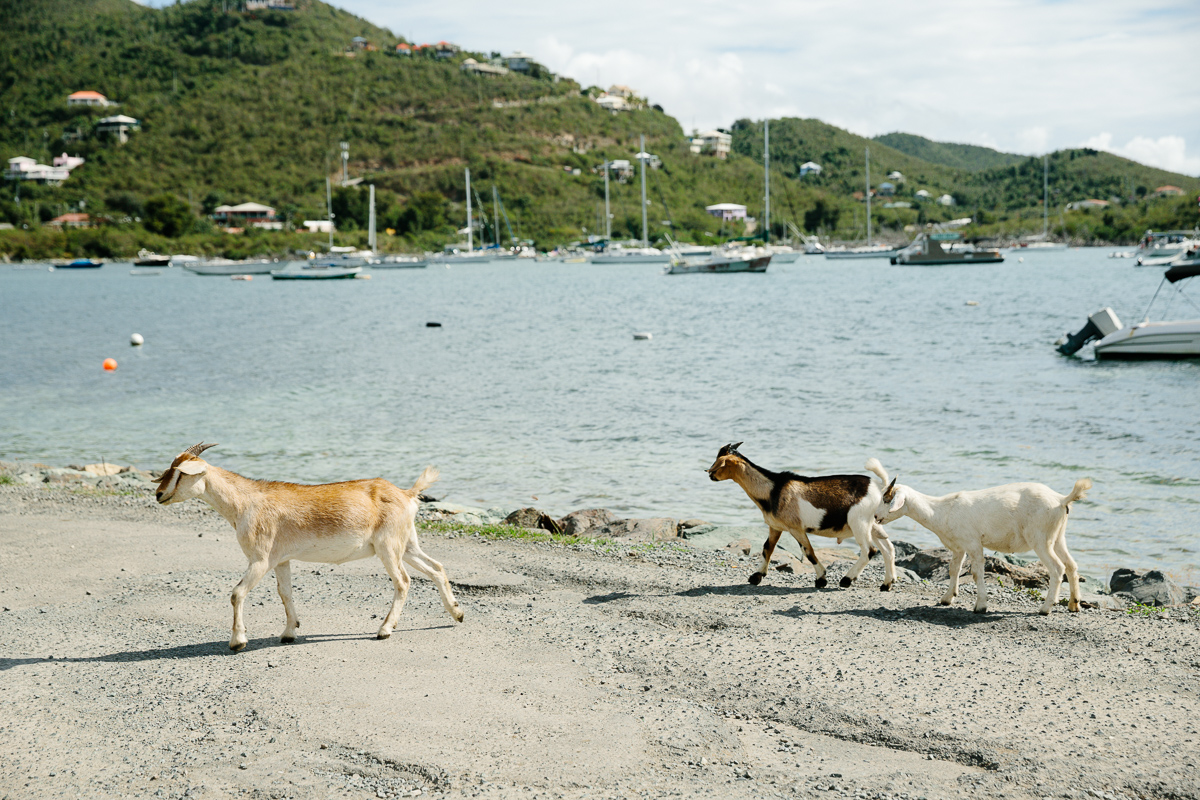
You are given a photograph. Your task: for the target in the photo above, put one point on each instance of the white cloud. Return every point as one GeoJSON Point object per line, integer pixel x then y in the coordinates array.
{"type": "Point", "coordinates": [1165, 152]}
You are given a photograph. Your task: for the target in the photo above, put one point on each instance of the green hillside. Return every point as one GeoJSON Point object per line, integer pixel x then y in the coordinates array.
{"type": "Point", "coordinates": [240, 106]}
{"type": "Point", "coordinates": [960, 156]}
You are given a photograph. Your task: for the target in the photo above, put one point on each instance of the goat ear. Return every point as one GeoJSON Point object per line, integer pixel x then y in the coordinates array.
{"type": "Point", "coordinates": [897, 503]}
{"type": "Point", "coordinates": [192, 467]}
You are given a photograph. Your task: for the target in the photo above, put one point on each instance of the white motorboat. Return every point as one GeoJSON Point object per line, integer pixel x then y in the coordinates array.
{"type": "Point", "coordinates": [866, 251]}
{"type": "Point", "coordinates": [226, 267]}
{"type": "Point", "coordinates": [317, 273]}
{"type": "Point", "coordinates": [943, 249]}
{"type": "Point", "coordinates": [402, 262]}
{"type": "Point", "coordinates": [783, 254]}
{"type": "Point", "coordinates": [1161, 248]}
{"type": "Point", "coordinates": [147, 259]}
{"type": "Point", "coordinates": [618, 254]}
{"type": "Point", "coordinates": [719, 264]}
{"type": "Point", "coordinates": [1145, 340]}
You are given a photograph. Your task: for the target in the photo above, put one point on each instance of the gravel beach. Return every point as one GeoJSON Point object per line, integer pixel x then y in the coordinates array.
{"type": "Point", "coordinates": [581, 670]}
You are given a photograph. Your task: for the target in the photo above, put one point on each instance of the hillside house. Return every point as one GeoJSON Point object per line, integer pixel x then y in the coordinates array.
{"type": "Point", "coordinates": [71, 221]}
{"type": "Point", "coordinates": [612, 102]}
{"type": "Point", "coordinates": [896, 176]}
{"type": "Point", "coordinates": [318, 225]}
{"type": "Point", "coordinates": [24, 168]}
{"type": "Point", "coordinates": [1091, 203]}
{"type": "Point", "coordinates": [715, 142]}
{"type": "Point", "coordinates": [923, 194]}
{"type": "Point", "coordinates": [67, 162]}
{"type": "Point", "coordinates": [270, 5]}
{"type": "Point", "coordinates": [255, 215]}
{"type": "Point", "coordinates": [519, 62]}
{"type": "Point", "coordinates": [88, 98]}
{"type": "Point", "coordinates": [120, 125]}
{"type": "Point", "coordinates": [446, 49]}
{"type": "Point", "coordinates": [886, 189]}
{"type": "Point", "coordinates": [478, 68]}
{"type": "Point", "coordinates": [403, 49]}
{"type": "Point", "coordinates": [622, 168]}
{"type": "Point", "coordinates": [810, 166]}
{"type": "Point", "coordinates": [727, 212]}
{"type": "Point", "coordinates": [621, 90]}
{"type": "Point", "coordinates": [946, 200]}
{"type": "Point", "coordinates": [1168, 191]}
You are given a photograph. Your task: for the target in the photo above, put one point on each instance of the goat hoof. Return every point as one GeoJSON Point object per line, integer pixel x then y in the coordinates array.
{"type": "Point", "coordinates": [383, 634]}
{"type": "Point", "coordinates": [1073, 607]}
{"type": "Point", "coordinates": [886, 587]}
{"type": "Point", "coordinates": [943, 602]}
{"type": "Point", "coordinates": [846, 582]}
{"type": "Point", "coordinates": [286, 639]}
{"type": "Point", "coordinates": [458, 616]}
{"type": "Point", "coordinates": [1045, 612]}
{"type": "Point", "coordinates": [981, 610]}
{"type": "Point", "coordinates": [821, 583]}
{"type": "Point", "coordinates": [756, 578]}
{"type": "Point", "coordinates": [237, 646]}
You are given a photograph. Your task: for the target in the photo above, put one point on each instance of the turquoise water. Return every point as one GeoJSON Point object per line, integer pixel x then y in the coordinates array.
{"type": "Point", "coordinates": [535, 388]}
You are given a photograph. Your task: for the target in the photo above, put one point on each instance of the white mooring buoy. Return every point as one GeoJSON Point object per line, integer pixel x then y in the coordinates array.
{"type": "Point", "coordinates": [136, 340]}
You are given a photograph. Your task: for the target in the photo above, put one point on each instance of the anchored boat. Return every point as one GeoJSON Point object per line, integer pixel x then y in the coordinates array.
{"type": "Point", "coordinates": [1145, 340]}
{"type": "Point", "coordinates": [941, 249]}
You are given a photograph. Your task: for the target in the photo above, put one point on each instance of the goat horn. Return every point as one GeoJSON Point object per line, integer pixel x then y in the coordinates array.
{"type": "Point", "coordinates": [735, 446]}
{"type": "Point", "coordinates": [197, 449]}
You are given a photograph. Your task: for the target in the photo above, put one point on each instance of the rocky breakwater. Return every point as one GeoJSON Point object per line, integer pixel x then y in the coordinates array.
{"type": "Point", "coordinates": [589, 523]}
{"type": "Point", "coordinates": [102, 476]}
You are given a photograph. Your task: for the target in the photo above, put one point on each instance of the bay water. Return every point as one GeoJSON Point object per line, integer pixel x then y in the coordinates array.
{"type": "Point", "coordinates": [535, 392]}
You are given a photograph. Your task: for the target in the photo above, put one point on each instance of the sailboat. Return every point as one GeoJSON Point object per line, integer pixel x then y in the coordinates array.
{"type": "Point", "coordinates": [1043, 242]}
{"type": "Point", "coordinates": [454, 252]}
{"type": "Point", "coordinates": [333, 268]}
{"type": "Point", "coordinates": [869, 250]}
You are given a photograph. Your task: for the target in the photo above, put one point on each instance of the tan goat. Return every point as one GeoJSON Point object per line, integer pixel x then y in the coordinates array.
{"type": "Point", "coordinates": [330, 523]}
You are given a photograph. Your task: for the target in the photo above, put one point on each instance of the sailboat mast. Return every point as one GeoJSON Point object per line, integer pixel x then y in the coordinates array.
{"type": "Point", "coordinates": [496, 216]}
{"type": "Point", "coordinates": [1045, 196]}
{"type": "Point", "coordinates": [470, 229]}
{"type": "Point", "coordinates": [371, 222]}
{"type": "Point", "coordinates": [642, 158]}
{"type": "Point", "coordinates": [868, 197]}
{"type": "Point", "coordinates": [329, 211]}
{"type": "Point", "coordinates": [607, 213]}
{"type": "Point", "coordinates": [767, 181]}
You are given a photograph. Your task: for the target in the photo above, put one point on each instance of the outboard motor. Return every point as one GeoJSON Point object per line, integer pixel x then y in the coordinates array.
{"type": "Point", "coordinates": [1099, 325]}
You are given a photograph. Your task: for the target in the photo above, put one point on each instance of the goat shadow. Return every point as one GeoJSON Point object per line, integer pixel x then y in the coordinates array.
{"type": "Point", "coordinates": [949, 617]}
{"type": "Point", "coordinates": [204, 649]}
{"type": "Point", "coordinates": [749, 590]}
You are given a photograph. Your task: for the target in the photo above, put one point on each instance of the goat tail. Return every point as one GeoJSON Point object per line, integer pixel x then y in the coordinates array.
{"type": "Point", "coordinates": [874, 465]}
{"type": "Point", "coordinates": [427, 478]}
{"type": "Point", "coordinates": [1079, 492]}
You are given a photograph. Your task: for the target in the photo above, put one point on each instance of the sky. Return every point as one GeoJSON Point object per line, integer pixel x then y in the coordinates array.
{"type": "Point", "coordinates": [1018, 75]}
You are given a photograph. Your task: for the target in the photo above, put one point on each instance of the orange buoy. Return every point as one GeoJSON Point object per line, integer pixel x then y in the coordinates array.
{"type": "Point", "coordinates": [110, 365]}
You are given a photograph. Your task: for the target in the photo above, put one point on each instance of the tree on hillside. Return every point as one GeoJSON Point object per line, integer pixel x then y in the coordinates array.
{"type": "Point", "coordinates": [167, 215]}
{"type": "Point", "coordinates": [424, 211]}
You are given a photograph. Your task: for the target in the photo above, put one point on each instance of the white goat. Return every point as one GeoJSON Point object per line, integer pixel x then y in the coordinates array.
{"type": "Point", "coordinates": [838, 506]}
{"type": "Point", "coordinates": [1014, 518]}
{"type": "Point", "coordinates": [330, 523]}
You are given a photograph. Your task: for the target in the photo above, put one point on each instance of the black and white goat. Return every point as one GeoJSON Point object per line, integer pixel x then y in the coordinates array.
{"type": "Point", "coordinates": [837, 506]}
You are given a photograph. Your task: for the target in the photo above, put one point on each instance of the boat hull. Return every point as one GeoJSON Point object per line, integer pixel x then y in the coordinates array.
{"type": "Point", "coordinates": [638, 259]}
{"type": "Point", "coordinates": [845, 254]}
{"type": "Point", "coordinates": [722, 266]}
{"type": "Point", "coordinates": [317, 274]}
{"type": "Point", "coordinates": [419, 263]}
{"type": "Point", "coordinates": [261, 268]}
{"type": "Point", "coordinates": [950, 259]}
{"type": "Point", "coordinates": [1152, 340]}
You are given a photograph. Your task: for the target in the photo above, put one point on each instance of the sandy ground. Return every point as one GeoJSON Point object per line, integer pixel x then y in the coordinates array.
{"type": "Point", "coordinates": [633, 672]}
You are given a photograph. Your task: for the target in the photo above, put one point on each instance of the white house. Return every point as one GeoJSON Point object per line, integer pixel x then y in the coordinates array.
{"type": "Point", "coordinates": [1092, 203]}
{"type": "Point", "coordinates": [23, 168]}
{"type": "Point", "coordinates": [318, 225]}
{"type": "Point", "coordinates": [88, 98]}
{"type": "Point", "coordinates": [622, 168]}
{"type": "Point", "coordinates": [622, 91]}
{"type": "Point", "coordinates": [67, 162]}
{"type": "Point", "coordinates": [946, 200]}
{"type": "Point", "coordinates": [254, 214]}
{"type": "Point", "coordinates": [612, 102]}
{"type": "Point", "coordinates": [895, 175]}
{"type": "Point", "coordinates": [520, 62]}
{"type": "Point", "coordinates": [120, 124]}
{"type": "Point", "coordinates": [809, 166]}
{"type": "Point", "coordinates": [718, 143]}
{"type": "Point", "coordinates": [727, 212]}
{"type": "Point", "coordinates": [923, 194]}
{"type": "Point", "coordinates": [473, 66]}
